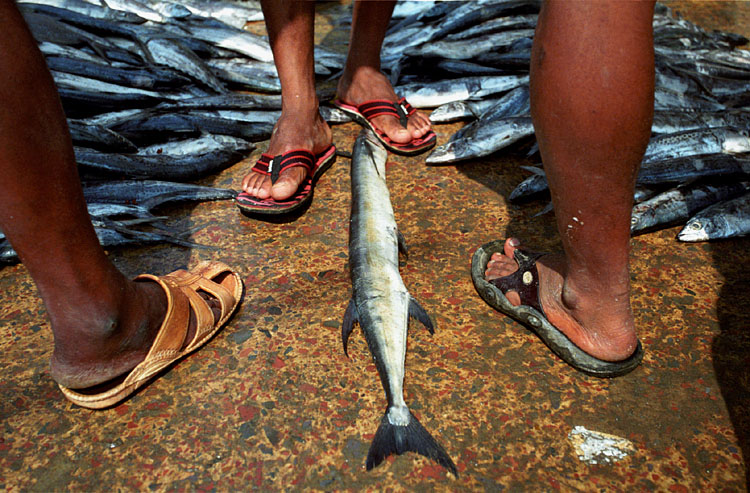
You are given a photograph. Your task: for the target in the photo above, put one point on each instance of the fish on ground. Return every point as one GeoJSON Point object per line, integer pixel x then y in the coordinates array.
{"type": "Point", "coordinates": [382, 305]}
{"type": "Point", "coordinates": [151, 194]}
{"type": "Point", "coordinates": [727, 219]}
{"type": "Point", "coordinates": [678, 204]}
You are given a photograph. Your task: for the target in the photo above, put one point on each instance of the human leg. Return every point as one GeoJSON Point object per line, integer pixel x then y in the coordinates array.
{"type": "Point", "coordinates": [103, 324]}
{"type": "Point", "coordinates": [362, 79]}
{"type": "Point", "coordinates": [592, 104]}
{"type": "Point", "coordinates": [290, 31]}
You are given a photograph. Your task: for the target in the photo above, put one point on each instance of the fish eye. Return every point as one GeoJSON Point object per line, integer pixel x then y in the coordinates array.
{"type": "Point", "coordinates": [696, 225]}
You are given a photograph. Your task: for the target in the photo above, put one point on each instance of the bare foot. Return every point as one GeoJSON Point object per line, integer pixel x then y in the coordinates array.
{"type": "Point", "coordinates": [596, 318]}
{"type": "Point", "coordinates": [366, 84]}
{"type": "Point", "coordinates": [296, 129]}
{"type": "Point", "coordinates": [98, 359]}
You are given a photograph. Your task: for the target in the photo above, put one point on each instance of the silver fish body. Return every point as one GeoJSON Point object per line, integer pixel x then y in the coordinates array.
{"type": "Point", "coordinates": [174, 161]}
{"type": "Point", "coordinates": [728, 219]}
{"type": "Point", "coordinates": [694, 142]}
{"type": "Point", "coordinates": [136, 7]}
{"type": "Point", "coordinates": [434, 94]}
{"type": "Point", "coordinates": [483, 139]}
{"type": "Point", "coordinates": [173, 54]}
{"type": "Point", "coordinates": [678, 204]}
{"type": "Point", "coordinates": [234, 14]}
{"type": "Point", "coordinates": [150, 194]}
{"type": "Point", "coordinates": [666, 122]}
{"type": "Point", "coordinates": [467, 49]}
{"type": "Point", "coordinates": [689, 168]}
{"type": "Point", "coordinates": [382, 305]}
{"type": "Point", "coordinates": [90, 9]}
{"type": "Point", "coordinates": [234, 39]}
{"type": "Point", "coordinates": [98, 137]}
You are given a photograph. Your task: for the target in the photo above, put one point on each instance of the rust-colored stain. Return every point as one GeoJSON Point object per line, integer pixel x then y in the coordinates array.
{"type": "Point", "coordinates": [272, 403]}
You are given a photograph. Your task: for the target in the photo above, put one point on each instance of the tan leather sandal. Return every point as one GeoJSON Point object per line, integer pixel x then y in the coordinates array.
{"type": "Point", "coordinates": [181, 288]}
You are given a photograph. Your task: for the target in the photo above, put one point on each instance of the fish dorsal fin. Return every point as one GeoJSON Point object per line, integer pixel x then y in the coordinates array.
{"type": "Point", "coordinates": [350, 316]}
{"type": "Point", "coordinates": [402, 244]}
{"type": "Point", "coordinates": [417, 312]}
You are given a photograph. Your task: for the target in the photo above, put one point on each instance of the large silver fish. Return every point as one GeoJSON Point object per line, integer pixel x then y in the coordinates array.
{"type": "Point", "coordinates": [484, 138]}
{"type": "Point", "coordinates": [434, 94]}
{"type": "Point", "coordinates": [381, 304]}
{"type": "Point", "coordinates": [728, 219]}
{"type": "Point", "coordinates": [694, 142]}
{"type": "Point", "coordinates": [678, 204]}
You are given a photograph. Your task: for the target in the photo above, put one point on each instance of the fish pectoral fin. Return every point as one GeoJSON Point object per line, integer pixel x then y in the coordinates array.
{"type": "Point", "coordinates": [402, 244]}
{"type": "Point", "coordinates": [350, 316]}
{"type": "Point", "coordinates": [416, 311]}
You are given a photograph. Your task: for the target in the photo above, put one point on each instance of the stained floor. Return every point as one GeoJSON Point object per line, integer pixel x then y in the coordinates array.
{"type": "Point", "coordinates": [272, 403]}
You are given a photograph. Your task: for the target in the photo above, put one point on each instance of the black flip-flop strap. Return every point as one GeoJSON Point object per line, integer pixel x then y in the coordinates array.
{"type": "Point", "coordinates": [273, 166]}
{"type": "Point", "coordinates": [380, 107]}
{"type": "Point", "coordinates": [524, 281]}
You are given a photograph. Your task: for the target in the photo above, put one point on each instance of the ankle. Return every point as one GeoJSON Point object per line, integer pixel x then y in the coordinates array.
{"type": "Point", "coordinates": [97, 326]}
{"type": "Point", "coordinates": [300, 130]}
{"type": "Point", "coordinates": [603, 314]}
{"type": "Point", "coordinates": [299, 105]}
{"type": "Point", "coordinates": [106, 337]}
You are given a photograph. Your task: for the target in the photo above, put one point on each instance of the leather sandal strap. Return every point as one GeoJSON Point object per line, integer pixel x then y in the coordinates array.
{"type": "Point", "coordinates": [524, 281]}
{"type": "Point", "coordinates": [168, 343]}
{"type": "Point", "coordinates": [190, 283]}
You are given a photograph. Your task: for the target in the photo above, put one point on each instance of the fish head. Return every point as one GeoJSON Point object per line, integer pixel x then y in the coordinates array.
{"type": "Point", "coordinates": [737, 142]}
{"type": "Point", "coordinates": [696, 230]}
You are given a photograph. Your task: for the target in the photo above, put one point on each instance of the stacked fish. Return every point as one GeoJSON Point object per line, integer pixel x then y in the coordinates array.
{"type": "Point", "coordinates": [158, 93]}
{"type": "Point", "coordinates": [470, 61]}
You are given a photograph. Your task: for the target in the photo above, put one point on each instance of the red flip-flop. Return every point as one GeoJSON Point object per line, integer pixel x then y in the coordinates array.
{"type": "Point", "coordinates": [365, 112]}
{"type": "Point", "coordinates": [315, 164]}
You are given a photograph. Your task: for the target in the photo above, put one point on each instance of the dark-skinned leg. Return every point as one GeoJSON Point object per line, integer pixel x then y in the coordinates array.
{"type": "Point", "coordinates": [290, 25]}
{"type": "Point", "coordinates": [362, 80]}
{"type": "Point", "coordinates": [592, 82]}
{"type": "Point", "coordinates": [103, 324]}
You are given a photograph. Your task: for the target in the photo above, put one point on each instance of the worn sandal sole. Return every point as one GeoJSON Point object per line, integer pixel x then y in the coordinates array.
{"type": "Point", "coordinates": [538, 323]}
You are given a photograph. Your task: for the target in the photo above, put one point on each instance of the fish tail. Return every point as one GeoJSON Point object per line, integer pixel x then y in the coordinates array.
{"type": "Point", "coordinates": [412, 437]}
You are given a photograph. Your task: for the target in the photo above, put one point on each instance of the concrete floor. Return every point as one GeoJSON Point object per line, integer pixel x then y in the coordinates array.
{"type": "Point", "coordinates": [272, 403]}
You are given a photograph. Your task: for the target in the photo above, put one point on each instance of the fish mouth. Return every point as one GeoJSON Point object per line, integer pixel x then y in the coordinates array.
{"type": "Point", "coordinates": [694, 231]}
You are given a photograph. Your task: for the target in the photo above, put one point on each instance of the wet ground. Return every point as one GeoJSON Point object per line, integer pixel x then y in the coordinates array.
{"type": "Point", "coordinates": [272, 402]}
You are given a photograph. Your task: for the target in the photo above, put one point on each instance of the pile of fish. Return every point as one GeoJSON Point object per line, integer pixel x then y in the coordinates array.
{"type": "Point", "coordinates": [470, 61]}
{"type": "Point", "coordinates": [158, 93]}
{"type": "Point", "coordinates": [382, 305]}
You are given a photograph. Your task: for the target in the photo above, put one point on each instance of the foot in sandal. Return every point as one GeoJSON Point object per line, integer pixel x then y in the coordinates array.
{"type": "Point", "coordinates": [194, 305]}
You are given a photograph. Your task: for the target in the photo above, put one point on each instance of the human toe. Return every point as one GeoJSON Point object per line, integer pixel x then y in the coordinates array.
{"type": "Point", "coordinates": [500, 265]}
{"type": "Point", "coordinates": [510, 246]}
{"type": "Point", "coordinates": [419, 125]}
{"type": "Point", "coordinates": [393, 129]}
{"type": "Point", "coordinates": [256, 185]}
{"type": "Point", "coordinates": [287, 184]}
